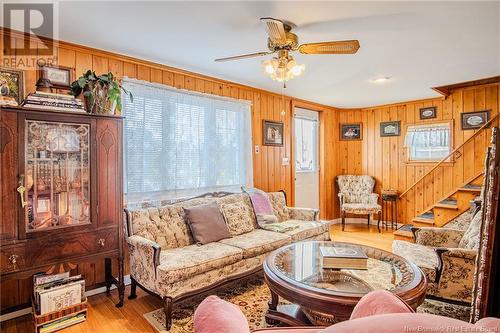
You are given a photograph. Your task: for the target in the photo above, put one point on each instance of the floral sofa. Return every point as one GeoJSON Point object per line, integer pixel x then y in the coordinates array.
{"type": "Point", "coordinates": [447, 257]}
{"type": "Point", "coordinates": [165, 261]}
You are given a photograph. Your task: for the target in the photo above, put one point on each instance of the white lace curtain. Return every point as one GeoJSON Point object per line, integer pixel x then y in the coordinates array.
{"type": "Point", "coordinates": [178, 143]}
{"type": "Point", "coordinates": [437, 135]}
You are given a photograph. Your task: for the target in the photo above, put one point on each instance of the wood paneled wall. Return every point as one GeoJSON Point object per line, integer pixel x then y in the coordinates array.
{"type": "Point", "coordinates": [385, 157]}
{"type": "Point", "coordinates": [269, 173]}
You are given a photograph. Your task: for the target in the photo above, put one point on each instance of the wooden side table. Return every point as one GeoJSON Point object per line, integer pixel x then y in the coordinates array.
{"type": "Point", "coordinates": [390, 208]}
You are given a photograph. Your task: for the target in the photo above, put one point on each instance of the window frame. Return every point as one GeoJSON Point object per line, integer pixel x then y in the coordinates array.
{"type": "Point", "coordinates": [315, 152]}
{"type": "Point", "coordinates": [448, 160]}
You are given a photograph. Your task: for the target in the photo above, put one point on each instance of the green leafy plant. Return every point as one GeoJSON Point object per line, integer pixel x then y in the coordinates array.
{"type": "Point", "coordinates": [102, 93]}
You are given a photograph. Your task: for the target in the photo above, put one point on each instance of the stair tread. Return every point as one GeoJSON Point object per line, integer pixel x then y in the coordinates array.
{"type": "Point", "coordinates": [426, 215]}
{"type": "Point", "coordinates": [404, 230]}
{"type": "Point", "coordinates": [448, 202]}
{"type": "Point", "coordinates": [471, 187]}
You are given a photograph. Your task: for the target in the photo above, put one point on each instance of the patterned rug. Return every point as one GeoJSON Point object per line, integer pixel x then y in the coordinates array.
{"type": "Point", "coordinates": [252, 296]}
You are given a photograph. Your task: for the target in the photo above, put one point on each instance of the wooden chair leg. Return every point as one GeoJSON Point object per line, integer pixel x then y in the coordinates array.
{"type": "Point", "coordinates": [378, 223]}
{"type": "Point", "coordinates": [167, 309]}
{"type": "Point", "coordinates": [368, 220]}
{"type": "Point", "coordinates": [343, 220]}
{"type": "Point", "coordinates": [133, 288]}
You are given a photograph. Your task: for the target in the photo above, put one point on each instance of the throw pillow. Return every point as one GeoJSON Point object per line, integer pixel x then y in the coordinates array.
{"type": "Point", "coordinates": [238, 217]}
{"type": "Point", "coordinates": [261, 206]}
{"type": "Point", "coordinates": [207, 223]}
{"type": "Point", "coordinates": [470, 239]}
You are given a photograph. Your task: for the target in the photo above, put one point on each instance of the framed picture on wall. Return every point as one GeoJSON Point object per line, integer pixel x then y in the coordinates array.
{"type": "Point", "coordinates": [59, 76]}
{"type": "Point", "coordinates": [272, 133]}
{"type": "Point", "coordinates": [11, 87]}
{"type": "Point", "coordinates": [428, 112]}
{"type": "Point", "coordinates": [390, 128]}
{"type": "Point", "coordinates": [351, 132]}
{"type": "Point", "coordinates": [474, 120]}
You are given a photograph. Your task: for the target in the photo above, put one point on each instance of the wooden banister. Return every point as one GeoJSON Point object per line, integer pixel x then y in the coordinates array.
{"type": "Point", "coordinates": [486, 125]}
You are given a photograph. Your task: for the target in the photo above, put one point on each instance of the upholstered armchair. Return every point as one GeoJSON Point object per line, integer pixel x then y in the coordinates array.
{"type": "Point", "coordinates": [356, 197]}
{"type": "Point", "coordinates": [447, 257]}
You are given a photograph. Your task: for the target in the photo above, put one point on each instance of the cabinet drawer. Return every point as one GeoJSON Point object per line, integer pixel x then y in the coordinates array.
{"type": "Point", "coordinates": [12, 259]}
{"type": "Point", "coordinates": [64, 249]}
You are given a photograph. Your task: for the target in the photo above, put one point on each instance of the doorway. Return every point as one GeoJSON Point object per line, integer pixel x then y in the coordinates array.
{"type": "Point", "coordinates": [306, 148]}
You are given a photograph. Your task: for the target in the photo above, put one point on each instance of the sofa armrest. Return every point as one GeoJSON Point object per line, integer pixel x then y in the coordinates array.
{"type": "Point", "coordinates": [437, 237]}
{"type": "Point", "coordinates": [144, 257]}
{"type": "Point", "coordinates": [306, 214]}
{"type": "Point", "coordinates": [455, 274]}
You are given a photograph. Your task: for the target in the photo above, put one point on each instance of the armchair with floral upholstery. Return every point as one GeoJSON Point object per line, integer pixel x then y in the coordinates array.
{"type": "Point", "coordinates": [447, 257]}
{"type": "Point", "coordinates": [356, 197]}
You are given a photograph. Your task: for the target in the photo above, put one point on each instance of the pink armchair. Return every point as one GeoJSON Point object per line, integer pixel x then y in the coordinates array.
{"type": "Point", "coordinates": [379, 309]}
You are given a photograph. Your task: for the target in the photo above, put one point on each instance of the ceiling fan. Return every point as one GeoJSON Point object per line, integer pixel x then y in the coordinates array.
{"type": "Point", "coordinates": [282, 41]}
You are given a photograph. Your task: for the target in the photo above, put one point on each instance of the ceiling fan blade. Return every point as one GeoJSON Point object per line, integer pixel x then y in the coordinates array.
{"type": "Point", "coordinates": [275, 29]}
{"type": "Point", "coordinates": [243, 56]}
{"type": "Point", "coordinates": [339, 47]}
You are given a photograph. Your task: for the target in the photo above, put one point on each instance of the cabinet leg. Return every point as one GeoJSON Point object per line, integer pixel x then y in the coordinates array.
{"type": "Point", "coordinates": [133, 289]}
{"type": "Point", "coordinates": [108, 274]}
{"type": "Point", "coordinates": [121, 283]}
{"type": "Point", "coordinates": [167, 309]}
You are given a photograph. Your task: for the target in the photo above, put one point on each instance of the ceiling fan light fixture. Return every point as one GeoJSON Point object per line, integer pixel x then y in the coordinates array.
{"type": "Point", "coordinates": [282, 69]}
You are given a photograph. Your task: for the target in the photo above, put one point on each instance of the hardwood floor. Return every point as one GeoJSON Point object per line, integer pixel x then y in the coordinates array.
{"type": "Point", "coordinates": [104, 317]}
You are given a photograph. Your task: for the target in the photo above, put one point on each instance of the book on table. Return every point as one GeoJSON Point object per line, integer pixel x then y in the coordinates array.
{"type": "Point", "coordinates": [339, 257]}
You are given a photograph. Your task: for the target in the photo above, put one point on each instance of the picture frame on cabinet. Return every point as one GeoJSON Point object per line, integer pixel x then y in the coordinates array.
{"type": "Point", "coordinates": [11, 86]}
{"type": "Point", "coordinates": [59, 76]}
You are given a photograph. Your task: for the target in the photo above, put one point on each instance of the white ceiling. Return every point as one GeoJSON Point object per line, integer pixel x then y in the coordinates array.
{"type": "Point", "coordinates": [418, 44]}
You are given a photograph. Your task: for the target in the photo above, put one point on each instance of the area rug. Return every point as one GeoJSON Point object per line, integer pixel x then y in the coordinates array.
{"type": "Point", "coordinates": [252, 296]}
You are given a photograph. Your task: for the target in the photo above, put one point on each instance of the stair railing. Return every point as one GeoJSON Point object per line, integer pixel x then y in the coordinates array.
{"type": "Point", "coordinates": [486, 125]}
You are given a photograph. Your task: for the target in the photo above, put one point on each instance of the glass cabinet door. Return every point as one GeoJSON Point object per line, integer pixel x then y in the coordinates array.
{"type": "Point", "coordinates": [57, 174]}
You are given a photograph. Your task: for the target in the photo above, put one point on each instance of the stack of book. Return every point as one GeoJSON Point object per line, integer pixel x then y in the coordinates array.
{"type": "Point", "coordinates": [53, 102]}
{"type": "Point", "coordinates": [58, 301]}
{"type": "Point", "coordinates": [344, 257]}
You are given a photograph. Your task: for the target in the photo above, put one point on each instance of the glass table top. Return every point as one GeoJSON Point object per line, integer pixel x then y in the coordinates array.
{"type": "Point", "coordinates": [301, 264]}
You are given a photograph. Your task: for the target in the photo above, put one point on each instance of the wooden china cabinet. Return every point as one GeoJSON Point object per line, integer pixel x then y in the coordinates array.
{"type": "Point", "coordinates": [61, 193]}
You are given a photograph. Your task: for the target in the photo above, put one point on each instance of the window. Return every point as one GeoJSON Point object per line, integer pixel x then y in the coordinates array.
{"type": "Point", "coordinates": [429, 142]}
{"type": "Point", "coordinates": [179, 144]}
{"type": "Point", "coordinates": [305, 145]}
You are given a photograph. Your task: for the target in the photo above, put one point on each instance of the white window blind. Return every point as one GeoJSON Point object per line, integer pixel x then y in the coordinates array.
{"type": "Point", "coordinates": [179, 143]}
{"type": "Point", "coordinates": [429, 142]}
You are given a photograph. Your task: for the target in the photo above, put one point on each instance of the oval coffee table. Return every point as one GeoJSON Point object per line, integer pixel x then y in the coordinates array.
{"type": "Point", "coordinates": [322, 296]}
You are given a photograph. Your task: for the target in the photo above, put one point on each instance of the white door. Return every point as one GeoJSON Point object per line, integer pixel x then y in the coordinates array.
{"type": "Point", "coordinates": [306, 158]}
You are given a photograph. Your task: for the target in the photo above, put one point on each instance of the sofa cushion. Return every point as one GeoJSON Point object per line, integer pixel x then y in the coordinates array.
{"type": "Point", "coordinates": [238, 217]}
{"type": "Point", "coordinates": [379, 302]}
{"type": "Point", "coordinates": [278, 202]}
{"type": "Point", "coordinates": [361, 208]}
{"type": "Point", "coordinates": [423, 256]}
{"type": "Point", "coordinates": [257, 242]}
{"type": "Point", "coordinates": [470, 240]}
{"type": "Point", "coordinates": [215, 315]}
{"type": "Point", "coordinates": [207, 223]}
{"type": "Point", "coordinates": [305, 229]}
{"type": "Point", "coordinates": [177, 264]}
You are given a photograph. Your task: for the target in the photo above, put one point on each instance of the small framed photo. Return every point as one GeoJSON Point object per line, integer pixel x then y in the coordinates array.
{"type": "Point", "coordinates": [390, 128]}
{"type": "Point", "coordinates": [272, 133]}
{"type": "Point", "coordinates": [11, 87]}
{"type": "Point", "coordinates": [428, 113]}
{"type": "Point", "coordinates": [60, 77]}
{"type": "Point", "coordinates": [351, 132]}
{"type": "Point", "coordinates": [474, 120]}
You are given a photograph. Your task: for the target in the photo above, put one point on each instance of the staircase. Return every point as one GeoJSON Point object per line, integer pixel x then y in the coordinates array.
{"type": "Point", "coordinates": [454, 203]}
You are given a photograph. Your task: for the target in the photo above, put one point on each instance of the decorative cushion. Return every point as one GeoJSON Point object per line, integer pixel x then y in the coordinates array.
{"type": "Point", "coordinates": [379, 302]}
{"type": "Point", "coordinates": [207, 223]}
{"type": "Point", "coordinates": [261, 206]}
{"type": "Point", "coordinates": [238, 217]}
{"type": "Point", "coordinates": [214, 315]}
{"type": "Point", "coordinates": [360, 208]}
{"type": "Point", "coordinates": [423, 256]}
{"type": "Point", "coordinates": [305, 229]}
{"type": "Point", "coordinates": [470, 240]}
{"type": "Point", "coordinates": [279, 205]}
{"type": "Point", "coordinates": [257, 242]}
{"type": "Point", "coordinates": [178, 264]}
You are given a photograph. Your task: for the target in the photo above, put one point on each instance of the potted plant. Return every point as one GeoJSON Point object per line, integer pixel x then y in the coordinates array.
{"type": "Point", "coordinates": [101, 93]}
